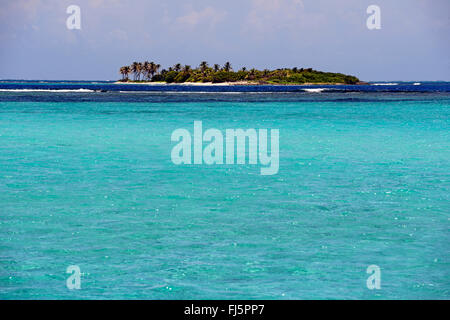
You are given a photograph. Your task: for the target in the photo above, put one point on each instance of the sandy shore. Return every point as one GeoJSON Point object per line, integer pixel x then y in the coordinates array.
{"type": "Point", "coordinates": [237, 83]}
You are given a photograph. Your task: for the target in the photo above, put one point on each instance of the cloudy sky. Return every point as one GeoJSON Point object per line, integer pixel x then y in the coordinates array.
{"type": "Point", "coordinates": [329, 35]}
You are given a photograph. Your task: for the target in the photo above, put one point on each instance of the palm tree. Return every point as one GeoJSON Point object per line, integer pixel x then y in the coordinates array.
{"type": "Point", "coordinates": [216, 67]}
{"type": "Point", "coordinates": [127, 71]}
{"type": "Point", "coordinates": [177, 67]}
{"type": "Point", "coordinates": [151, 69]}
{"type": "Point", "coordinates": [146, 69]}
{"type": "Point", "coordinates": [157, 66]}
{"type": "Point", "coordinates": [122, 72]}
{"type": "Point", "coordinates": [187, 69]}
{"type": "Point", "coordinates": [203, 66]}
{"type": "Point", "coordinates": [227, 67]}
{"type": "Point", "coordinates": [244, 69]}
{"type": "Point", "coordinates": [252, 73]}
{"type": "Point", "coordinates": [135, 69]}
{"type": "Point", "coordinates": [140, 70]}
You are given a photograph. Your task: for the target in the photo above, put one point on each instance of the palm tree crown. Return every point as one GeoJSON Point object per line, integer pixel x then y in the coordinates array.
{"type": "Point", "coordinates": [227, 67]}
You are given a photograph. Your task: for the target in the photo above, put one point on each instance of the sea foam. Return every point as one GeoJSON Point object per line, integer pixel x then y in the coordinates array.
{"type": "Point", "coordinates": [315, 90]}
{"type": "Point", "coordinates": [46, 90]}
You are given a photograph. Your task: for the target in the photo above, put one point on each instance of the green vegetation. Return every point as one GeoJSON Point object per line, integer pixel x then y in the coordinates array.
{"type": "Point", "coordinates": [150, 71]}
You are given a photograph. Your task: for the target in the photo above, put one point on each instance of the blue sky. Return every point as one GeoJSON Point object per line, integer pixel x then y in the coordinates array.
{"type": "Point", "coordinates": [328, 35]}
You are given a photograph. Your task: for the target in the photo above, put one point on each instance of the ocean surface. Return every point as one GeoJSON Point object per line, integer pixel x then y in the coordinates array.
{"type": "Point", "coordinates": [87, 180]}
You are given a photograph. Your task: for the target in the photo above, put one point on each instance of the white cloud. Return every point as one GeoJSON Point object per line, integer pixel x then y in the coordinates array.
{"type": "Point", "coordinates": [207, 16]}
{"type": "Point", "coordinates": [25, 8]}
{"type": "Point", "coordinates": [270, 16]}
{"type": "Point", "coordinates": [101, 3]}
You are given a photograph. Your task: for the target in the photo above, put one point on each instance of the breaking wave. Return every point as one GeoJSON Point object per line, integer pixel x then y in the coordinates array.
{"type": "Point", "coordinates": [46, 90]}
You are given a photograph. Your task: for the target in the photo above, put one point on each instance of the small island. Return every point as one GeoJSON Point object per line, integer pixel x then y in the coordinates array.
{"type": "Point", "coordinates": [150, 72]}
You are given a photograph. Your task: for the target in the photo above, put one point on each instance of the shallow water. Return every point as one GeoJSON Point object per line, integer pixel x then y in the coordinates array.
{"type": "Point", "coordinates": [86, 179]}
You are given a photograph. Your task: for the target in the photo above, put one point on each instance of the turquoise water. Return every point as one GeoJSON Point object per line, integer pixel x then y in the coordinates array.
{"type": "Point", "coordinates": [361, 181]}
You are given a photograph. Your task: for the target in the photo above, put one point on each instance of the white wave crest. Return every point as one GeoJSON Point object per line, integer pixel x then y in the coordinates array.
{"type": "Point", "coordinates": [46, 90]}
{"type": "Point", "coordinates": [315, 90]}
{"type": "Point", "coordinates": [386, 84]}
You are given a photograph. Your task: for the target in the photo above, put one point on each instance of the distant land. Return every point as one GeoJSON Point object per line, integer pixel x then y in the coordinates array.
{"type": "Point", "coordinates": [150, 72]}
